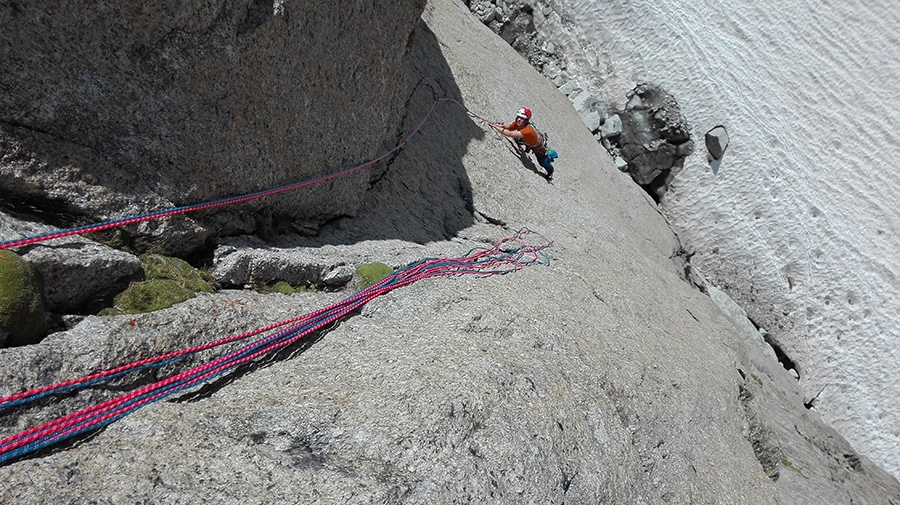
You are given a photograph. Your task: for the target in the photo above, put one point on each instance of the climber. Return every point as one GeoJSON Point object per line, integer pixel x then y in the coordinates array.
{"type": "Point", "coordinates": [524, 133]}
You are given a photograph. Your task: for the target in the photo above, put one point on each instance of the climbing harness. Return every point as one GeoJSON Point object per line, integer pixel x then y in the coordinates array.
{"type": "Point", "coordinates": [543, 141]}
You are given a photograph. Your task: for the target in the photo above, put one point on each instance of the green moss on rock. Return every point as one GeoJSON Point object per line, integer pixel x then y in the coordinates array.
{"type": "Point", "coordinates": [373, 272]}
{"type": "Point", "coordinates": [168, 281]}
{"type": "Point", "coordinates": [282, 287]}
{"type": "Point", "coordinates": [147, 296]}
{"type": "Point", "coordinates": [22, 304]}
{"type": "Point", "coordinates": [156, 266]}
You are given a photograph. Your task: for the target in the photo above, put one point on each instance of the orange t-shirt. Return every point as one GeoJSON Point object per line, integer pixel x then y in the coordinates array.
{"type": "Point", "coordinates": [529, 135]}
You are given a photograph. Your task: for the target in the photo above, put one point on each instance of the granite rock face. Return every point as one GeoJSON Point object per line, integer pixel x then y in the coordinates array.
{"type": "Point", "coordinates": [648, 139]}
{"type": "Point", "coordinates": [603, 377]}
{"type": "Point", "coordinates": [514, 22]}
{"type": "Point", "coordinates": [111, 109]}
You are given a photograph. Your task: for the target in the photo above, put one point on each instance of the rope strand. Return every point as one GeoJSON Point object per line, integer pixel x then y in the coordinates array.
{"type": "Point", "coordinates": [508, 255]}
{"type": "Point", "coordinates": [115, 223]}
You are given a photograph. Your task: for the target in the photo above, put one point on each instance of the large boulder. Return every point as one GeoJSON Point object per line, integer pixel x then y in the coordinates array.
{"type": "Point", "coordinates": [111, 109]}
{"type": "Point", "coordinates": [21, 301]}
{"type": "Point", "coordinates": [655, 137]}
{"type": "Point", "coordinates": [717, 142]}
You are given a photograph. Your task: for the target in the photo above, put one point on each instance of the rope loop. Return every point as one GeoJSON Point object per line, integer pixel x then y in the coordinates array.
{"type": "Point", "coordinates": [511, 254]}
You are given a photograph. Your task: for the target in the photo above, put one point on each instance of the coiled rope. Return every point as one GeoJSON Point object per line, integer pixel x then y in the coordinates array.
{"type": "Point", "coordinates": [115, 223]}
{"type": "Point", "coordinates": [508, 255]}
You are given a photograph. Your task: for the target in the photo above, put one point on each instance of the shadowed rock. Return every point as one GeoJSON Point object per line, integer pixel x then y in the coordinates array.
{"type": "Point", "coordinates": [717, 142]}
{"type": "Point", "coordinates": [80, 272]}
{"type": "Point", "coordinates": [655, 138]}
{"type": "Point", "coordinates": [116, 109]}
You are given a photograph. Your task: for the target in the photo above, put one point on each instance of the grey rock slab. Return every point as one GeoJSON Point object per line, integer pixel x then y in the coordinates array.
{"type": "Point", "coordinates": [165, 105]}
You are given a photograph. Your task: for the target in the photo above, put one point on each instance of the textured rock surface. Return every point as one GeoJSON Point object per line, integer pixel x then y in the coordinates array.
{"type": "Point", "coordinates": [244, 260]}
{"type": "Point", "coordinates": [603, 378]}
{"type": "Point", "coordinates": [655, 137]}
{"type": "Point", "coordinates": [113, 109]}
{"type": "Point", "coordinates": [22, 302]}
{"type": "Point", "coordinates": [649, 138]}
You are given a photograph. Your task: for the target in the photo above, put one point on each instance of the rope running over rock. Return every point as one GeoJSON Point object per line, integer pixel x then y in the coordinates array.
{"type": "Point", "coordinates": [508, 255]}
{"type": "Point", "coordinates": [231, 200]}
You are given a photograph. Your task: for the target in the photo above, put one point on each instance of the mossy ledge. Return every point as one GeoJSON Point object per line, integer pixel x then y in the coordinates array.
{"type": "Point", "coordinates": [167, 281]}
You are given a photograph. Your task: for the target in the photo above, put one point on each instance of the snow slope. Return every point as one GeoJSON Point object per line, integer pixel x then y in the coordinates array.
{"type": "Point", "coordinates": [799, 224]}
